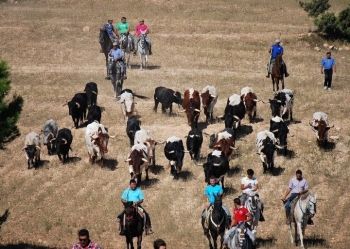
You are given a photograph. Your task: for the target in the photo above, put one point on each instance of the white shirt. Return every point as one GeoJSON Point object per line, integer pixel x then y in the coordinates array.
{"type": "Point", "coordinates": [245, 181]}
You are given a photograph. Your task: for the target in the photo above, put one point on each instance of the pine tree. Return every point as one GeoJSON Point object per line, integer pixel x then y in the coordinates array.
{"type": "Point", "coordinates": [10, 110]}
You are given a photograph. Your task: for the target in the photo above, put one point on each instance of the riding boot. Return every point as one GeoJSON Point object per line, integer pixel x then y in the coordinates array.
{"type": "Point", "coordinates": [268, 75]}
{"type": "Point", "coordinates": [148, 224]}
{"type": "Point", "coordinates": [261, 216]}
{"type": "Point", "coordinates": [150, 49]}
{"type": "Point", "coordinates": [310, 222]}
{"type": "Point", "coordinates": [286, 74]}
{"type": "Point", "coordinates": [206, 230]}
{"type": "Point", "coordinates": [120, 228]}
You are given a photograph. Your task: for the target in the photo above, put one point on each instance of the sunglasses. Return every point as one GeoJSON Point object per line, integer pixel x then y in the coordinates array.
{"type": "Point", "coordinates": [81, 240]}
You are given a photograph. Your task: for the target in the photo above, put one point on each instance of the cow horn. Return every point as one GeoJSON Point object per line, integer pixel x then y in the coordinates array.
{"type": "Point", "coordinates": [186, 151]}
{"type": "Point", "coordinates": [182, 110]}
{"type": "Point", "coordinates": [24, 147]}
{"type": "Point", "coordinates": [144, 160]}
{"type": "Point", "coordinates": [236, 117]}
{"type": "Point", "coordinates": [213, 96]}
{"type": "Point", "coordinates": [51, 134]}
{"type": "Point", "coordinates": [113, 136]}
{"type": "Point", "coordinates": [53, 139]}
{"type": "Point", "coordinates": [330, 126]}
{"type": "Point", "coordinates": [38, 148]}
{"type": "Point", "coordinates": [274, 131]}
{"type": "Point", "coordinates": [128, 160]}
{"type": "Point", "coordinates": [160, 142]}
{"type": "Point", "coordinates": [77, 104]}
{"type": "Point", "coordinates": [170, 152]}
{"type": "Point", "coordinates": [260, 149]}
{"type": "Point", "coordinates": [197, 110]}
{"type": "Point", "coordinates": [216, 164]}
{"type": "Point", "coordinates": [64, 140]}
{"type": "Point", "coordinates": [279, 147]}
{"type": "Point", "coordinates": [220, 116]}
{"type": "Point", "coordinates": [279, 101]}
{"type": "Point", "coordinates": [206, 133]}
{"type": "Point", "coordinates": [257, 100]}
{"type": "Point", "coordinates": [94, 92]}
{"type": "Point", "coordinates": [233, 148]}
{"type": "Point", "coordinates": [198, 164]}
{"type": "Point", "coordinates": [65, 103]}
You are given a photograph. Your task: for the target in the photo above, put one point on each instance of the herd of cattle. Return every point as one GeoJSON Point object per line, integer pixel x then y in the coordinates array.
{"type": "Point", "coordinates": [142, 152]}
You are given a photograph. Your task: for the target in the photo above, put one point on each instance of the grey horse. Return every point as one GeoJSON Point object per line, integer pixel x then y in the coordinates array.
{"type": "Point", "coordinates": [143, 49]}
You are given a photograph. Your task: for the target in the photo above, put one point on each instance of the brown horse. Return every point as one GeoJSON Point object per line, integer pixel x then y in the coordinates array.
{"type": "Point", "coordinates": [106, 45]}
{"type": "Point", "coordinates": [277, 73]}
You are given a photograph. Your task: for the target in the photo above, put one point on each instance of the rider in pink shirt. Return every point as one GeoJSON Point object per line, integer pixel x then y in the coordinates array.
{"type": "Point", "coordinates": [141, 28]}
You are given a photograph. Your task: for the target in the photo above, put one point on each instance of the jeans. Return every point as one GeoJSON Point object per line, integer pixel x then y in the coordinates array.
{"type": "Point", "coordinates": [121, 62]}
{"type": "Point", "coordinates": [328, 77]}
{"type": "Point", "coordinates": [289, 200]}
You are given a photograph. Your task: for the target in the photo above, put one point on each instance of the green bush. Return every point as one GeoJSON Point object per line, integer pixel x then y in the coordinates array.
{"type": "Point", "coordinates": [316, 7]}
{"type": "Point", "coordinates": [328, 24]}
{"type": "Point", "coordinates": [9, 110]}
{"type": "Point", "coordinates": [344, 22]}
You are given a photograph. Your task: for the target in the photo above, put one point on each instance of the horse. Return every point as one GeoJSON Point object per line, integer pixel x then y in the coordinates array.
{"type": "Point", "coordinates": [143, 49]}
{"type": "Point", "coordinates": [217, 223]}
{"type": "Point", "coordinates": [117, 76]}
{"type": "Point", "coordinates": [254, 207]}
{"type": "Point", "coordinates": [134, 225]}
{"type": "Point", "coordinates": [107, 45]}
{"type": "Point", "coordinates": [304, 209]}
{"type": "Point", "coordinates": [277, 73]}
{"type": "Point", "coordinates": [240, 239]}
{"type": "Point", "coordinates": [126, 45]}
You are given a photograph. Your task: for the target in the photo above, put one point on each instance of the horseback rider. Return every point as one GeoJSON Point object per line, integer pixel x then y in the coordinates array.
{"type": "Point", "coordinates": [135, 195]}
{"type": "Point", "coordinates": [275, 50]}
{"type": "Point", "coordinates": [142, 27]}
{"type": "Point", "coordinates": [110, 31]}
{"type": "Point", "coordinates": [250, 183]}
{"type": "Point", "coordinates": [240, 215]}
{"type": "Point", "coordinates": [212, 190]}
{"type": "Point", "coordinates": [297, 186]}
{"type": "Point", "coordinates": [123, 27]}
{"type": "Point", "coordinates": [118, 56]}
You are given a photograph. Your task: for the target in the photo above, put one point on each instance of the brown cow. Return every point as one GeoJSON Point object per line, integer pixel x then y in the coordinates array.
{"type": "Point", "coordinates": [321, 126]}
{"type": "Point", "coordinates": [249, 98]}
{"type": "Point", "coordinates": [191, 105]}
{"type": "Point", "coordinates": [225, 142]}
{"type": "Point", "coordinates": [138, 159]}
{"type": "Point", "coordinates": [209, 99]}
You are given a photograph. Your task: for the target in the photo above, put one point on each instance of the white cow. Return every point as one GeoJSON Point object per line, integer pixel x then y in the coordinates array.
{"type": "Point", "coordinates": [127, 104]}
{"type": "Point", "coordinates": [32, 147]}
{"type": "Point", "coordinates": [145, 137]}
{"type": "Point", "coordinates": [320, 125]}
{"type": "Point", "coordinates": [138, 160]}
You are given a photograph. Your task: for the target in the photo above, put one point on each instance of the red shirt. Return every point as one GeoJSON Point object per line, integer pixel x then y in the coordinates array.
{"type": "Point", "coordinates": [240, 214]}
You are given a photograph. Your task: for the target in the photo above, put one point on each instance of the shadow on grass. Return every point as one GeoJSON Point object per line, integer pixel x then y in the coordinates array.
{"type": "Point", "coordinates": [277, 171]}
{"type": "Point", "coordinates": [234, 170]}
{"type": "Point", "coordinates": [156, 169]}
{"type": "Point", "coordinates": [110, 164]}
{"type": "Point", "coordinates": [258, 120]}
{"type": "Point", "coordinates": [315, 241]}
{"type": "Point", "coordinates": [73, 159]}
{"type": "Point", "coordinates": [243, 131]}
{"type": "Point", "coordinates": [3, 218]}
{"type": "Point", "coordinates": [289, 154]}
{"type": "Point", "coordinates": [42, 164]}
{"type": "Point", "coordinates": [329, 146]}
{"type": "Point", "coordinates": [149, 67]}
{"type": "Point", "coordinates": [149, 183]}
{"type": "Point", "coordinates": [229, 189]}
{"type": "Point", "coordinates": [202, 125]}
{"type": "Point", "coordinates": [24, 246]}
{"type": "Point", "coordinates": [185, 175]}
{"type": "Point", "coordinates": [267, 242]}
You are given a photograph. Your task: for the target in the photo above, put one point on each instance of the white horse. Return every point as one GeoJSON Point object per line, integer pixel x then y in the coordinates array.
{"type": "Point", "coordinates": [304, 208]}
{"type": "Point", "coordinates": [239, 239]}
{"type": "Point", "coordinates": [143, 49]}
{"type": "Point", "coordinates": [126, 45]}
{"type": "Point", "coordinates": [253, 204]}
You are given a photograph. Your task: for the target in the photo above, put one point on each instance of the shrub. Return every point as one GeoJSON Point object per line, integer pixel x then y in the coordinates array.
{"type": "Point", "coordinates": [328, 24]}
{"type": "Point", "coordinates": [344, 22]}
{"type": "Point", "coordinates": [316, 7]}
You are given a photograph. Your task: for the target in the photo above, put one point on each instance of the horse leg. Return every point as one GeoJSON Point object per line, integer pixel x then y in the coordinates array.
{"type": "Point", "coordinates": [282, 82]}
{"type": "Point", "coordinates": [277, 85]}
{"type": "Point", "coordinates": [273, 83]}
{"type": "Point", "coordinates": [140, 60]}
{"type": "Point", "coordinates": [139, 241]}
{"type": "Point", "coordinates": [215, 237]}
{"type": "Point", "coordinates": [210, 244]}
{"type": "Point", "coordinates": [291, 233]}
{"type": "Point", "coordinates": [146, 61]}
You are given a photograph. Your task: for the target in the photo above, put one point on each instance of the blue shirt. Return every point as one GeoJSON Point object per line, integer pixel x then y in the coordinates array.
{"type": "Point", "coordinates": [132, 195]}
{"type": "Point", "coordinates": [212, 191]}
{"type": "Point", "coordinates": [109, 28]}
{"type": "Point", "coordinates": [327, 63]}
{"type": "Point", "coordinates": [116, 53]}
{"type": "Point", "coordinates": [276, 50]}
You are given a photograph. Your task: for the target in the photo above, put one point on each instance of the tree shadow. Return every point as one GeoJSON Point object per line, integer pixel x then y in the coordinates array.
{"type": "Point", "coordinates": [110, 164]}
{"type": "Point", "coordinates": [3, 218]}
{"type": "Point", "coordinates": [244, 130]}
{"type": "Point", "coordinates": [186, 175]}
{"type": "Point", "coordinates": [156, 169]}
{"type": "Point", "coordinates": [42, 164]}
{"type": "Point", "coordinates": [234, 170]}
{"type": "Point", "coordinates": [14, 134]}
{"type": "Point", "coordinates": [24, 246]}
{"type": "Point", "coordinates": [149, 183]}
{"type": "Point", "coordinates": [268, 242]}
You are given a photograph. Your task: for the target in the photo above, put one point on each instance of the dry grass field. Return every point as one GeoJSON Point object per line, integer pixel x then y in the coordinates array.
{"type": "Point", "coordinates": [221, 43]}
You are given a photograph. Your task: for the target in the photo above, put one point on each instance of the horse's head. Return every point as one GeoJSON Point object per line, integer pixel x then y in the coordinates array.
{"type": "Point", "coordinates": [312, 205]}
{"type": "Point", "coordinates": [129, 210]}
{"type": "Point", "coordinates": [123, 41]}
{"type": "Point", "coordinates": [217, 202]}
{"type": "Point", "coordinates": [253, 200]}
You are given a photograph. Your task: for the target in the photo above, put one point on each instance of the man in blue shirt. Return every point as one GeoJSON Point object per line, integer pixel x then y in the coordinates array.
{"type": "Point", "coordinates": [275, 50]}
{"type": "Point", "coordinates": [134, 194]}
{"type": "Point", "coordinates": [110, 30]}
{"type": "Point", "coordinates": [118, 56]}
{"type": "Point", "coordinates": [327, 67]}
{"type": "Point", "coordinates": [212, 190]}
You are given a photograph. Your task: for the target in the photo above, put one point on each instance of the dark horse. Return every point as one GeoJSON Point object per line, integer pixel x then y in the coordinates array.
{"type": "Point", "coordinates": [116, 76]}
{"type": "Point", "coordinates": [106, 45]}
{"type": "Point", "coordinates": [217, 223]}
{"type": "Point", "coordinates": [277, 73]}
{"type": "Point", "coordinates": [134, 225]}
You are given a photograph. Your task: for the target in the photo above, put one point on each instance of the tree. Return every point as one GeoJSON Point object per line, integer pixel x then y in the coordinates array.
{"type": "Point", "coordinates": [328, 24]}
{"type": "Point", "coordinates": [344, 22]}
{"type": "Point", "coordinates": [10, 110]}
{"type": "Point", "coordinates": [316, 7]}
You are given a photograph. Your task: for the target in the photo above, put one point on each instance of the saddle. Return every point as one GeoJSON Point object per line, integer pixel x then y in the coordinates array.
{"type": "Point", "coordinates": [140, 211]}
{"type": "Point", "coordinates": [292, 206]}
{"type": "Point", "coordinates": [207, 220]}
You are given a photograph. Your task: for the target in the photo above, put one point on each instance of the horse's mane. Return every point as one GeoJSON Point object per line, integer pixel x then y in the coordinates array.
{"type": "Point", "coordinates": [304, 196]}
